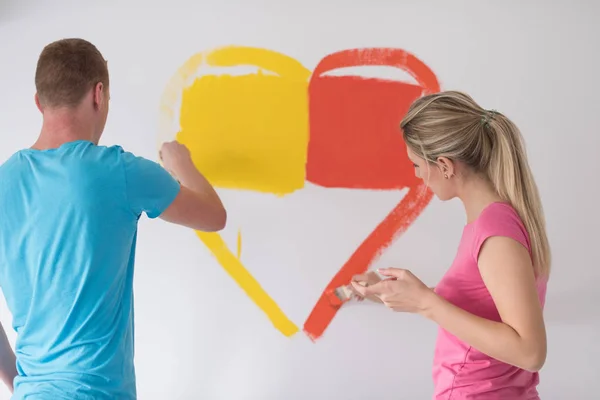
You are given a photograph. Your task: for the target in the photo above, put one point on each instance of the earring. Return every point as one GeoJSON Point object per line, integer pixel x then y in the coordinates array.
{"type": "Point", "coordinates": [446, 176]}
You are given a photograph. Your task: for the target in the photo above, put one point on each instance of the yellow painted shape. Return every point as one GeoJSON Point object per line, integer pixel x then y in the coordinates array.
{"type": "Point", "coordinates": [248, 131]}
{"type": "Point", "coordinates": [236, 270]}
{"type": "Point", "coordinates": [290, 84]}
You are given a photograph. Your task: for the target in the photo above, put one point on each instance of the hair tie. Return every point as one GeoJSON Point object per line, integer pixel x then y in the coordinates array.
{"type": "Point", "coordinates": [488, 116]}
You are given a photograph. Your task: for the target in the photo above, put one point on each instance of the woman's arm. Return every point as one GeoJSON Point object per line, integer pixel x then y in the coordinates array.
{"type": "Point", "coordinates": [520, 339]}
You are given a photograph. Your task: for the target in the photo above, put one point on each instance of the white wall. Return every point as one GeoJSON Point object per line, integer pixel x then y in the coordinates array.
{"type": "Point", "coordinates": [198, 335]}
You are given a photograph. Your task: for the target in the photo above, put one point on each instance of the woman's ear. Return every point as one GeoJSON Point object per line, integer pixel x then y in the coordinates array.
{"type": "Point", "coordinates": [446, 166]}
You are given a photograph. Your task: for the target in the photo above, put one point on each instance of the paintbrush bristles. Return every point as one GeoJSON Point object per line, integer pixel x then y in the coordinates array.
{"type": "Point", "coordinates": [343, 293]}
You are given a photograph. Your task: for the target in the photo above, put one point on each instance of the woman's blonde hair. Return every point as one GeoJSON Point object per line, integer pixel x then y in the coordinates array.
{"type": "Point", "coordinates": [451, 124]}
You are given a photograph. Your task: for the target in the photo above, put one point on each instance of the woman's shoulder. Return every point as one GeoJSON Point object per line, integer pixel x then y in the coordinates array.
{"type": "Point", "coordinates": [498, 212]}
{"type": "Point", "coordinates": [500, 219]}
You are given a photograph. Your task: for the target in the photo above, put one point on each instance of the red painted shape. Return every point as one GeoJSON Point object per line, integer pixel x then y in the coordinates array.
{"type": "Point", "coordinates": [355, 139]}
{"type": "Point", "coordinates": [355, 142]}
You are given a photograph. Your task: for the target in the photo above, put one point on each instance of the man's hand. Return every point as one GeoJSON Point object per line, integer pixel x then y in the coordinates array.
{"type": "Point", "coordinates": [197, 206]}
{"type": "Point", "coordinates": [176, 158]}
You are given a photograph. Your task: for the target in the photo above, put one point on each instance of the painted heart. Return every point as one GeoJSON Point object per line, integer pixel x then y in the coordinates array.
{"type": "Point", "coordinates": [274, 129]}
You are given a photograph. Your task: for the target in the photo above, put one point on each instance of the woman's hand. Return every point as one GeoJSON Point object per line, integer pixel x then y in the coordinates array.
{"type": "Point", "coordinates": [367, 279]}
{"type": "Point", "coordinates": [404, 292]}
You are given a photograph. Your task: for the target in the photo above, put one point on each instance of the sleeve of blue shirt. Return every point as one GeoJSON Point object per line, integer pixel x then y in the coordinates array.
{"type": "Point", "coordinates": [150, 188]}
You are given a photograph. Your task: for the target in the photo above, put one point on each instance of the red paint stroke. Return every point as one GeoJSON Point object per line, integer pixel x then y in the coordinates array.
{"type": "Point", "coordinates": [355, 142]}
{"type": "Point", "coordinates": [401, 217]}
{"type": "Point", "coordinates": [333, 299]}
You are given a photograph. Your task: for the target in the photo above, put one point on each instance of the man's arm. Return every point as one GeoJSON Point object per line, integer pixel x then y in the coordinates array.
{"type": "Point", "coordinates": [177, 193]}
{"type": "Point", "coordinates": [8, 362]}
{"type": "Point", "coordinates": [197, 205]}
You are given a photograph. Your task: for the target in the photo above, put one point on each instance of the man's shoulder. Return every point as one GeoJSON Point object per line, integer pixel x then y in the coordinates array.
{"type": "Point", "coordinates": [114, 149]}
{"type": "Point", "coordinates": [10, 164]}
{"type": "Point", "coordinates": [112, 154]}
{"type": "Point", "coordinates": [120, 152]}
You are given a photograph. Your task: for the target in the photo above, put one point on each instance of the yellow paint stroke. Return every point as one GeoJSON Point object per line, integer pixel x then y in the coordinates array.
{"type": "Point", "coordinates": [249, 131]}
{"type": "Point", "coordinates": [168, 123]}
{"type": "Point", "coordinates": [244, 132]}
{"type": "Point", "coordinates": [234, 267]}
{"type": "Point", "coordinates": [239, 245]}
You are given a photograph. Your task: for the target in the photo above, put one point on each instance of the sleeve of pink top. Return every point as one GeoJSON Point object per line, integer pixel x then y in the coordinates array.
{"type": "Point", "coordinates": [499, 220]}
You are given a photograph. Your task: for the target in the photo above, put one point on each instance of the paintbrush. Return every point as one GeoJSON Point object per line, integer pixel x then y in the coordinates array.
{"type": "Point", "coordinates": [342, 294]}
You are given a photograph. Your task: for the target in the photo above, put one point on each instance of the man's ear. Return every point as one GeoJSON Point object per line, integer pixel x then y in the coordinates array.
{"type": "Point", "coordinates": [37, 102]}
{"type": "Point", "coordinates": [99, 94]}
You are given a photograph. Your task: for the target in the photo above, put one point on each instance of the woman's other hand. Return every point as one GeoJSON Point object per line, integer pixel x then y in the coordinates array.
{"type": "Point", "coordinates": [404, 292]}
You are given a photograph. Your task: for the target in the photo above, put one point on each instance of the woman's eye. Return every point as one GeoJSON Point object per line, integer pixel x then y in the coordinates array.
{"type": "Point", "coordinates": [415, 165]}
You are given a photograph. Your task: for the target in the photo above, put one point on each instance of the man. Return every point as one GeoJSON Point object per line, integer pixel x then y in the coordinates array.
{"type": "Point", "coordinates": [69, 210]}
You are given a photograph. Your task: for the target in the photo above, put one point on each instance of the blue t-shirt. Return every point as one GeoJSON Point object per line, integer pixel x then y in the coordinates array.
{"type": "Point", "coordinates": [68, 227]}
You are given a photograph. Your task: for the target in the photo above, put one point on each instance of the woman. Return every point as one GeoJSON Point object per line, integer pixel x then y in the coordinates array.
{"type": "Point", "coordinates": [492, 339]}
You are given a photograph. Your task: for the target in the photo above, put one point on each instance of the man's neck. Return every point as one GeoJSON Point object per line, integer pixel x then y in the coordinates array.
{"type": "Point", "coordinates": [61, 128]}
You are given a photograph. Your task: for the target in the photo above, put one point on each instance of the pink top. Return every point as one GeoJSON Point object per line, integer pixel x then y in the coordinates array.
{"type": "Point", "coordinates": [460, 371]}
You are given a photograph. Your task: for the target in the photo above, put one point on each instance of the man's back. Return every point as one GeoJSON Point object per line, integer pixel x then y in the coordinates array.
{"type": "Point", "coordinates": [68, 224]}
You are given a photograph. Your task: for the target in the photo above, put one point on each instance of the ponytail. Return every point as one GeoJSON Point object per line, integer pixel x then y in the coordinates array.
{"type": "Point", "coordinates": [509, 172]}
